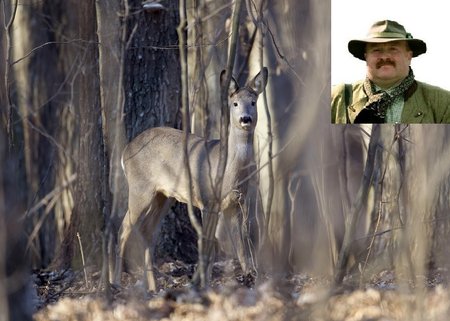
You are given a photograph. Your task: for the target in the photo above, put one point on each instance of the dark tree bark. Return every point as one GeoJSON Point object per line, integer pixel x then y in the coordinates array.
{"type": "Point", "coordinates": [15, 281]}
{"type": "Point", "coordinates": [91, 185]}
{"type": "Point", "coordinates": [152, 69]}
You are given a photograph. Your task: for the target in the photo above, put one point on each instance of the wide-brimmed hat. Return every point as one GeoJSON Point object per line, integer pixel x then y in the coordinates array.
{"type": "Point", "coordinates": [386, 31]}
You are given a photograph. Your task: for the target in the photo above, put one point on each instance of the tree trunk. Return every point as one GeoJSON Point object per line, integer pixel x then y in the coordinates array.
{"type": "Point", "coordinates": [15, 281]}
{"type": "Point", "coordinates": [91, 185]}
{"type": "Point", "coordinates": [290, 50]}
{"type": "Point", "coordinates": [46, 121]}
{"type": "Point", "coordinates": [111, 34]}
{"type": "Point", "coordinates": [206, 60]}
{"type": "Point", "coordinates": [3, 67]}
{"type": "Point", "coordinates": [152, 69]}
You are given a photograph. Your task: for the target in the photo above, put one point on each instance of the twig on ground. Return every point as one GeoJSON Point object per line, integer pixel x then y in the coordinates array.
{"type": "Point", "coordinates": [82, 259]}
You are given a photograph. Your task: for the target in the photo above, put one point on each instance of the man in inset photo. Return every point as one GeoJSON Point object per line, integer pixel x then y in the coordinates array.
{"type": "Point", "coordinates": [389, 93]}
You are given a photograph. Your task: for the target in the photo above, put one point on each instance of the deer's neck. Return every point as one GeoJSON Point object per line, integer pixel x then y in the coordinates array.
{"type": "Point", "coordinates": [240, 147]}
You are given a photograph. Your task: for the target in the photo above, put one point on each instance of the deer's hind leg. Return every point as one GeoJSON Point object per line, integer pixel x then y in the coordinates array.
{"type": "Point", "coordinates": [143, 216]}
{"type": "Point", "coordinates": [149, 229]}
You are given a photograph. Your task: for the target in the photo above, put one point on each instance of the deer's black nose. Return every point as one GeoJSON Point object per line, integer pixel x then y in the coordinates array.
{"type": "Point", "coordinates": [246, 119]}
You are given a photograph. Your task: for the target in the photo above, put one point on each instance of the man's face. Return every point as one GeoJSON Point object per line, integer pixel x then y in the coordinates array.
{"type": "Point", "coordinates": [388, 63]}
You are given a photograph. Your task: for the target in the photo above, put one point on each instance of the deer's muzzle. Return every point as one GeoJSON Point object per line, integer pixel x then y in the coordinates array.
{"type": "Point", "coordinates": [245, 120]}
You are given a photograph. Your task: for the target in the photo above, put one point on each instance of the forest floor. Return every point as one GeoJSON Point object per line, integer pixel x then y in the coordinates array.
{"type": "Point", "coordinates": [69, 295]}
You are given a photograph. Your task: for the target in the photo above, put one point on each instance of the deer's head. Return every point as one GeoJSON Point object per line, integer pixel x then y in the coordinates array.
{"type": "Point", "coordinates": [242, 101]}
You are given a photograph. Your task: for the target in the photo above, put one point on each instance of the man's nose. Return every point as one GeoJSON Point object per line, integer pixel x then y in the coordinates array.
{"type": "Point", "coordinates": [385, 53]}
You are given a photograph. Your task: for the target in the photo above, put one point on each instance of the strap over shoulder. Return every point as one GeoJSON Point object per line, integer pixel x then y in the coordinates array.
{"type": "Point", "coordinates": [348, 93]}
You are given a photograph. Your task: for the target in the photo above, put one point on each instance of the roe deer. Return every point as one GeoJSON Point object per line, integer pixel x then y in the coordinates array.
{"type": "Point", "coordinates": [155, 171]}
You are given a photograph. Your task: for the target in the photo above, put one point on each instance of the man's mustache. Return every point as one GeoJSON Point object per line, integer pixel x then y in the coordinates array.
{"type": "Point", "coordinates": [385, 62]}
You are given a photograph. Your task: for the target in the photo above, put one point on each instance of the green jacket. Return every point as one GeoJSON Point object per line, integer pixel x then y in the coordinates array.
{"type": "Point", "coordinates": [423, 104]}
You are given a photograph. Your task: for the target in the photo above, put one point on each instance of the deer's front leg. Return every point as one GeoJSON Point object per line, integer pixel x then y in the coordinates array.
{"type": "Point", "coordinates": [234, 238]}
{"type": "Point", "coordinates": [206, 248]}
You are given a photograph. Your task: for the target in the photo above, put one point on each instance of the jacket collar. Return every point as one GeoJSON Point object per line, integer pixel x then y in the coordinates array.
{"type": "Point", "coordinates": [360, 99]}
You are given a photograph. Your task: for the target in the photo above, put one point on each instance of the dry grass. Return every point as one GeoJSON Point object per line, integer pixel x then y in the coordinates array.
{"type": "Point", "coordinates": [64, 296]}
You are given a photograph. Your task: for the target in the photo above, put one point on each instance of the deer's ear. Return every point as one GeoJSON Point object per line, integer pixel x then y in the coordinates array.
{"type": "Point", "coordinates": [233, 83]}
{"type": "Point", "coordinates": [233, 86]}
{"type": "Point", "coordinates": [260, 81]}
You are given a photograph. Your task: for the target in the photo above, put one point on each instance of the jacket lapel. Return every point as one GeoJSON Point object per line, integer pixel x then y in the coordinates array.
{"type": "Point", "coordinates": [413, 111]}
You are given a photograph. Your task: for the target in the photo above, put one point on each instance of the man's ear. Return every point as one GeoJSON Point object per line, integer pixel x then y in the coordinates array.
{"type": "Point", "coordinates": [410, 54]}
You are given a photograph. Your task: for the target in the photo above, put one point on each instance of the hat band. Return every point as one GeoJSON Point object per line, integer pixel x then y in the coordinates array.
{"type": "Point", "coordinates": [387, 35]}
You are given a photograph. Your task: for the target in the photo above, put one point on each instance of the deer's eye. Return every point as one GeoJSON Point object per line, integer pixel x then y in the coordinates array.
{"type": "Point", "coordinates": [253, 103]}
{"type": "Point", "coordinates": [235, 104]}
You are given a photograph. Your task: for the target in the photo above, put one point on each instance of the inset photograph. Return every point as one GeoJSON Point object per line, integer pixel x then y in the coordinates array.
{"type": "Point", "coordinates": [387, 65]}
